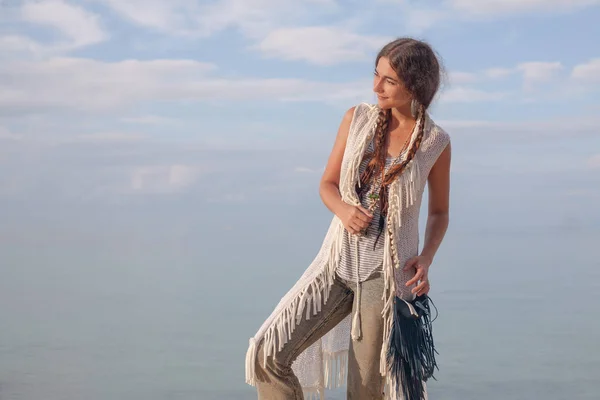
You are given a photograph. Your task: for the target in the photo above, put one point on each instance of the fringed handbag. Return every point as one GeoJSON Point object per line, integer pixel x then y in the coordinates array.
{"type": "Point", "coordinates": [411, 351]}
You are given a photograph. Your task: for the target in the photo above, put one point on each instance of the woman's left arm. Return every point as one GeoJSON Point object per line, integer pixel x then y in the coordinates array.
{"type": "Point", "coordinates": [439, 204]}
{"type": "Point", "coordinates": [437, 221]}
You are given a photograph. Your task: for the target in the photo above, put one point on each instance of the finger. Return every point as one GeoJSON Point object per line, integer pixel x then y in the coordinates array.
{"type": "Point", "coordinates": [363, 224]}
{"type": "Point", "coordinates": [350, 228]}
{"type": "Point", "coordinates": [411, 263]}
{"type": "Point", "coordinates": [365, 211]}
{"type": "Point", "coordinates": [418, 276]}
{"type": "Point", "coordinates": [415, 278]}
{"type": "Point", "coordinates": [362, 217]}
{"type": "Point", "coordinates": [424, 290]}
{"type": "Point", "coordinates": [420, 287]}
{"type": "Point", "coordinates": [355, 226]}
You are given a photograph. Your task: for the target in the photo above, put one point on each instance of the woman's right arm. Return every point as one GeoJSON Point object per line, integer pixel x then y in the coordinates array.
{"type": "Point", "coordinates": [354, 218]}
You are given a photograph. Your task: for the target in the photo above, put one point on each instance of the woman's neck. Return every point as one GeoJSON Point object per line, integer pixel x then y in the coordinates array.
{"type": "Point", "coordinates": [403, 116]}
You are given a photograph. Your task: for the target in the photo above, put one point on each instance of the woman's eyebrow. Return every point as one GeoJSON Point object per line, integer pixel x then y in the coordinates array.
{"type": "Point", "coordinates": [387, 77]}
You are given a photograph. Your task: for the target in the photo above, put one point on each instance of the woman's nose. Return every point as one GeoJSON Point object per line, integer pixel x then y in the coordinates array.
{"type": "Point", "coordinates": [377, 85]}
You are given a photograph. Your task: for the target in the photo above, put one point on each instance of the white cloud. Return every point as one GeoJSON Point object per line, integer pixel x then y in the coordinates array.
{"type": "Point", "coordinates": [538, 77]}
{"type": "Point", "coordinates": [190, 17]}
{"type": "Point", "coordinates": [66, 82]}
{"type": "Point", "coordinates": [306, 170]}
{"type": "Point", "coordinates": [174, 16]}
{"type": "Point", "coordinates": [538, 72]}
{"type": "Point", "coordinates": [257, 19]}
{"type": "Point", "coordinates": [228, 198]}
{"type": "Point", "coordinates": [6, 134]}
{"type": "Point", "coordinates": [76, 26]}
{"type": "Point", "coordinates": [10, 44]}
{"type": "Point", "coordinates": [164, 178]}
{"type": "Point", "coordinates": [81, 27]}
{"type": "Point", "coordinates": [594, 161]}
{"type": "Point", "coordinates": [588, 72]}
{"type": "Point", "coordinates": [419, 20]}
{"type": "Point", "coordinates": [265, 22]}
{"type": "Point", "coordinates": [498, 72]}
{"type": "Point", "coordinates": [319, 45]}
{"type": "Point", "coordinates": [149, 120]}
{"type": "Point", "coordinates": [553, 127]}
{"type": "Point", "coordinates": [461, 125]}
{"type": "Point", "coordinates": [104, 137]}
{"type": "Point", "coordinates": [461, 78]}
{"type": "Point", "coordinates": [59, 138]}
{"type": "Point", "coordinates": [253, 17]}
{"type": "Point", "coordinates": [504, 7]}
{"type": "Point", "coordinates": [587, 192]}
{"type": "Point", "coordinates": [533, 73]}
{"type": "Point", "coordinates": [469, 95]}
{"type": "Point", "coordinates": [69, 82]}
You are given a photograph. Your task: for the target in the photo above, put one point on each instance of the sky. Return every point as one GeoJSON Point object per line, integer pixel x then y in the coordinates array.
{"type": "Point", "coordinates": [190, 107]}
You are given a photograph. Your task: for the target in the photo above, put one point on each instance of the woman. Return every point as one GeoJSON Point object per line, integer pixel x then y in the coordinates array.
{"type": "Point", "coordinates": [360, 312]}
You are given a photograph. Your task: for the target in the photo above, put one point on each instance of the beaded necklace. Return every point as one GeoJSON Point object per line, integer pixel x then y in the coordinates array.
{"type": "Point", "coordinates": [375, 186]}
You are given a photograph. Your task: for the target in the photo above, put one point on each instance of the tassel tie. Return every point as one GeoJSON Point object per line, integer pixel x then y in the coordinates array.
{"type": "Point", "coordinates": [411, 351]}
{"type": "Point", "coordinates": [356, 323]}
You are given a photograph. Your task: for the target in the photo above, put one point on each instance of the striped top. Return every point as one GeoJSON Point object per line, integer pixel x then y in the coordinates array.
{"type": "Point", "coordinates": [370, 250]}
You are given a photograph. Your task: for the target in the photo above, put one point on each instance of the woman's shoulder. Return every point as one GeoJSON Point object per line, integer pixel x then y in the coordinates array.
{"type": "Point", "coordinates": [362, 112]}
{"type": "Point", "coordinates": [441, 133]}
{"type": "Point", "coordinates": [366, 107]}
{"type": "Point", "coordinates": [437, 132]}
{"type": "Point", "coordinates": [361, 108]}
{"type": "Point", "coordinates": [437, 137]}
{"type": "Point", "coordinates": [358, 114]}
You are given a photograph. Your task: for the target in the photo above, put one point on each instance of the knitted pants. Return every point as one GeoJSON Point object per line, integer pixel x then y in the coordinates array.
{"type": "Point", "coordinates": [275, 378]}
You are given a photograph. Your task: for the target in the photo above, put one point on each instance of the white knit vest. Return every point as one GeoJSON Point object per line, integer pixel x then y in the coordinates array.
{"type": "Point", "coordinates": [324, 364]}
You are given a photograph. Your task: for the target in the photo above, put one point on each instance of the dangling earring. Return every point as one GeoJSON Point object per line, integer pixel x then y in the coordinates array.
{"type": "Point", "coordinates": [414, 108]}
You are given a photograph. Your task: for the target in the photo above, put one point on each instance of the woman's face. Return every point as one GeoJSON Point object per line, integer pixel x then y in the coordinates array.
{"type": "Point", "coordinates": [390, 90]}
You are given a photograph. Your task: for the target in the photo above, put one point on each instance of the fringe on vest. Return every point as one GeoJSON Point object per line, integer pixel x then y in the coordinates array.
{"type": "Point", "coordinates": [402, 363]}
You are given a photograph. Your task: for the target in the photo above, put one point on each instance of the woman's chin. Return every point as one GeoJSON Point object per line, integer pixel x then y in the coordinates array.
{"type": "Point", "coordinates": [383, 104]}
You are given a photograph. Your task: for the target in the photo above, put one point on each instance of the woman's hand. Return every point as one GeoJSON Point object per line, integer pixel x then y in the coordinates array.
{"type": "Point", "coordinates": [421, 264]}
{"type": "Point", "coordinates": [355, 218]}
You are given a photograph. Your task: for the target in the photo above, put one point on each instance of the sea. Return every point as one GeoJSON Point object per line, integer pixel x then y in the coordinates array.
{"type": "Point", "coordinates": [126, 303]}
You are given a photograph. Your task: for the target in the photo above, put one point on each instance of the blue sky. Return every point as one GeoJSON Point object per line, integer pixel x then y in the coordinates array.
{"type": "Point", "coordinates": [236, 102]}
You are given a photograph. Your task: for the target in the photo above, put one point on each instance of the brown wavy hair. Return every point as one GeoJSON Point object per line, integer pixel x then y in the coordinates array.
{"type": "Point", "coordinates": [417, 66]}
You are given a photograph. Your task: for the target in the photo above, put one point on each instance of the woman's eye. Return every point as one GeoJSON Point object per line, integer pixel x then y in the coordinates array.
{"type": "Point", "coordinates": [391, 82]}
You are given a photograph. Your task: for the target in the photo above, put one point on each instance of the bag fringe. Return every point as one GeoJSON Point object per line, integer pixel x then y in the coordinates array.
{"type": "Point", "coordinates": [411, 354]}
{"type": "Point", "coordinates": [390, 392]}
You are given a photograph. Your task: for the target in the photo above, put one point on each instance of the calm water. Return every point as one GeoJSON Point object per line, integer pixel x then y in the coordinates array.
{"type": "Point", "coordinates": [159, 310]}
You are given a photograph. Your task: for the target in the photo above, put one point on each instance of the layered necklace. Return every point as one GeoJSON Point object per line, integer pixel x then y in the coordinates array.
{"type": "Point", "coordinates": [373, 194]}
